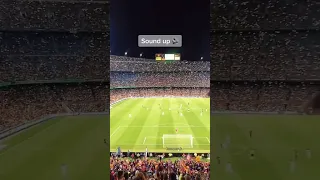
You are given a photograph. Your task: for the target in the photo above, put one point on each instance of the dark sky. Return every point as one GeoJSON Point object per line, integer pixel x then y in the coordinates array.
{"type": "Point", "coordinates": [189, 18]}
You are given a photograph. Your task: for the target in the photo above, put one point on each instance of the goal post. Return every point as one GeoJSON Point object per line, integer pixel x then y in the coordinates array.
{"type": "Point", "coordinates": [177, 140]}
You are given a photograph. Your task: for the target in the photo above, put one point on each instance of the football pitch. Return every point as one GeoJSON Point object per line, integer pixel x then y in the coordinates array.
{"type": "Point", "coordinates": [68, 147]}
{"type": "Point", "coordinates": [282, 147]}
{"type": "Point", "coordinates": [161, 125]}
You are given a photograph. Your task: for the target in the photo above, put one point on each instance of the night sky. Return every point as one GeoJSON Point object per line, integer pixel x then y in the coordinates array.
{"type": "Point", "coordinates": [189, 18]}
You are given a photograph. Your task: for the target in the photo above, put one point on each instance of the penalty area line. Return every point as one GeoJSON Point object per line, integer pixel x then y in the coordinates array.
{"type": "Point", "coordinates": [145, 138]}
{"type": "Point", "coordinates": [208, 139]}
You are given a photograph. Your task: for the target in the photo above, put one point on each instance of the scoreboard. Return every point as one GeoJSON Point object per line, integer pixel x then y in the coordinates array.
{"type": "Point", "coordinates": [167, 57]}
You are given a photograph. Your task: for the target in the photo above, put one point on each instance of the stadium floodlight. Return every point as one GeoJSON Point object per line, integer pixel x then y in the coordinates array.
{"type": "Point", "coordinates": [177, 141]}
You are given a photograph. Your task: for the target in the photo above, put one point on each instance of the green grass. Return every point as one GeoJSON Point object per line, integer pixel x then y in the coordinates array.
{"type": "Point", "coordinates": [274, 139]}
{"type": "Point", "coordinates": [38, 152]}
{"type": "Point", "coordinates": [146, 127]}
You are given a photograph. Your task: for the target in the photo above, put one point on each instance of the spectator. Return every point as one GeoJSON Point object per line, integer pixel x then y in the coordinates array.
{"type": "Point", "coordinates": [120, 175]}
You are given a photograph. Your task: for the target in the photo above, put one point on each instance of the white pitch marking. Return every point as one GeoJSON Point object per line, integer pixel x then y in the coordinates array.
{"type": "Point", "coordinates": [115, 131]}
{"type": "Point", "coordinates": [208, 139]}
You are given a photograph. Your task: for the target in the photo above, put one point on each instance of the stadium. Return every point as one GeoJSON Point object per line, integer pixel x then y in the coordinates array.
{"type": "Point", "coordinates": [265, 90]}
{"type": "Point", "coordinates": [160, 110]}
{"type": "Point", "coordinates": [53, 90]}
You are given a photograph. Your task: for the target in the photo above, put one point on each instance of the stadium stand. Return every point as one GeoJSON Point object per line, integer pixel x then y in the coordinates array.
{"type": "Point", "coordinates": [265, 15]}
{"type": "Point", "coordinates": [53, 59]}
{"type": "Point", "coordinates": [121, 93]}
{"type": "Point", "coordinates": [264, 55]}
{"type": "Point", "coordinates": [73, 16]}
{"type": "Point", "coordinates": [138, 77]}
{"type": "Point", "coordinates": [146, 77]}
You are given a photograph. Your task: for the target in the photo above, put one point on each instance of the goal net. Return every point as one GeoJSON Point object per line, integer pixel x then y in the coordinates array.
{"type": "Point", "coordinates": [177, 141]}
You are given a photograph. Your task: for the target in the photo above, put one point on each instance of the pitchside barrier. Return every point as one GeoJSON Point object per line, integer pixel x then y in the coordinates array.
{"type": "Point", "coordinates": [11, 131]}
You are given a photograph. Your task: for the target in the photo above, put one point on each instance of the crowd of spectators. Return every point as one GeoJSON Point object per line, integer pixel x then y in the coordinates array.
{"type": "Point", "coordinates": [132, 64]}
{"type": "Point", "coordinates": [138, 77]}
{"type": "Point", "coordinates": [186, 168]}
{"type": "Point", "coordinates": [72, 16]}
{"type": "Point", "coordinates": [261, 14]}
{"type": "Point", "coordinates": [52, 56]}
{"type": "Point", "coordinates": [53, 40]}
{"type": "Point", "coordinates": [261, 96]}
{"type": "Point", "coordinates": [154, 79]}
{"type": "Point", "coordinates": [264, 55]}
{"type": "Point", "coordinates": [138, 72]}
{"type": "Point", "coordinates": [118, 94]}
{"type": "Point", "coordinates": [57, 43]}
{"type": "Point", "coordinates": [23, 103]}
